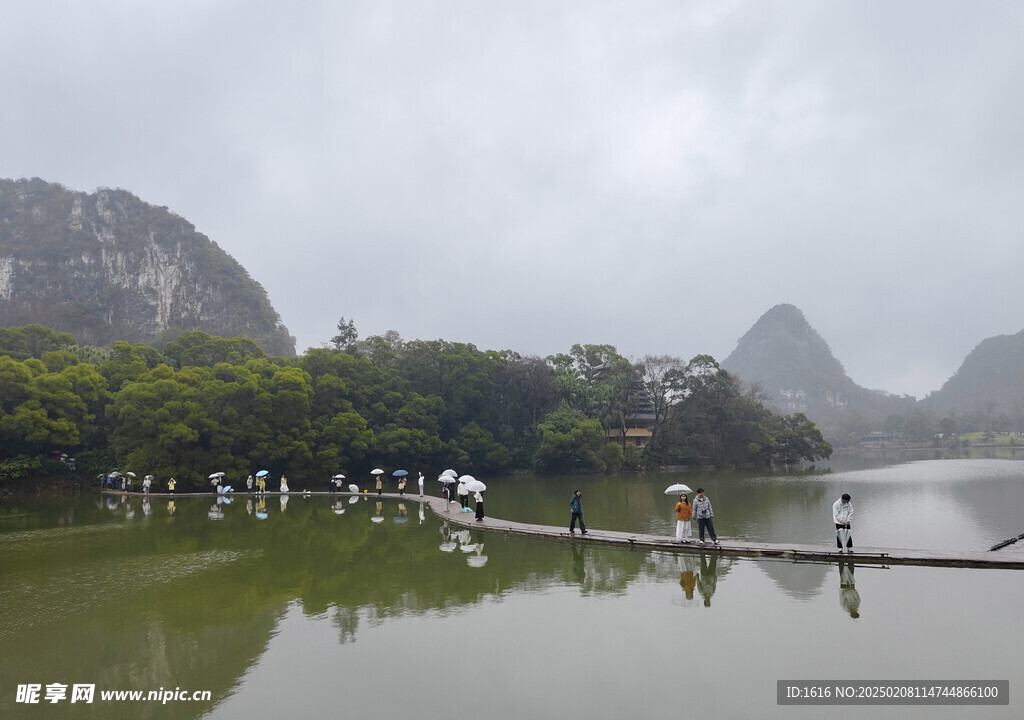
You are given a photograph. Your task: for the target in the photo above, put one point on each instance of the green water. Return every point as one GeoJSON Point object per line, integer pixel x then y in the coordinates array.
{"type": "Point", "coordinates": [315, 612]}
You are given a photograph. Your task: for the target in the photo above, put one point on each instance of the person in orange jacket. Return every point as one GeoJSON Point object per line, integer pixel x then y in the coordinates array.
{"type": "Point", "coordinates": [684, 512]}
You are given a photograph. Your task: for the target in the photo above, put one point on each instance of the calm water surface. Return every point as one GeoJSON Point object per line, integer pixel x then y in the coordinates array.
{"type": "Point", "coordinates": [381, 612]}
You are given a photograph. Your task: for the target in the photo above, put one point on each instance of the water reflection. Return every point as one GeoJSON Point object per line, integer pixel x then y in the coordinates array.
{"type": "Point", "coordinates": [579, 570]}
{"type": "Point", "coordinates": [707, 578]}
{"type": "Point", "coordinates": [687, 578]}
{"type": "Point", "coordinates": [197, 603]}
{"type": "Point", "coordinates": [849, 598]}
{"type": "Point", "coordinates": [799, 580]}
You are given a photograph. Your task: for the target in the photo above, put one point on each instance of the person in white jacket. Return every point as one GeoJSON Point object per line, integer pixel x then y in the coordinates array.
{"type": "Point", "coordinates": [842, 515]}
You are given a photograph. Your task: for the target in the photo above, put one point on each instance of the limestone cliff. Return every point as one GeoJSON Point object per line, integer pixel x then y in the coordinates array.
{"type": "Point", "coordinates": [108, 266]}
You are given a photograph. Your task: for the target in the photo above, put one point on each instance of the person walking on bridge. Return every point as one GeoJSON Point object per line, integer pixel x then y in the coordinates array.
{"type": "Point", "coordinates": [576, 507]}
{"type": "Point", "coordinates": [842, 515]}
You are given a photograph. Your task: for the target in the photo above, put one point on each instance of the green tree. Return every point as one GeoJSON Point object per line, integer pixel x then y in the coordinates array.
{"type": "Point", "coordinates": [569, 442]}
{"type": "Point", "coordinates": [347, 335]}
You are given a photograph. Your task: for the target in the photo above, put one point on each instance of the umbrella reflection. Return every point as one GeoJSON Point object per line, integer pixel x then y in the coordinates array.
{"type": "Point", "coordinates": [479, 559]}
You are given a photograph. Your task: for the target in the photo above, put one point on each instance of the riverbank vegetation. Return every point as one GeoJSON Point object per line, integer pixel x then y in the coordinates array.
{"type": "Point", "coordinates": [201, 403]}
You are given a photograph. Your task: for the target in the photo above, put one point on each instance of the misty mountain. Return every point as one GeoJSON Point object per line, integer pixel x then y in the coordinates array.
{"type": "Point", "coordinates": [108, 266]}
{"type": "Point", "coordinates": [795, 367]}
{"type": "Point", "coordinates": [990, 379]}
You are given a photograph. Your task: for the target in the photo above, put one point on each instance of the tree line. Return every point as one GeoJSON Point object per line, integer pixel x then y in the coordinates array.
{"type": "Point", "coordinates": [201, 403]}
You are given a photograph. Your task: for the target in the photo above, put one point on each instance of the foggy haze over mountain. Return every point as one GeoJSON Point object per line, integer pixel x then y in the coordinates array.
{"type": "Point", "coordinates": [652, 175]}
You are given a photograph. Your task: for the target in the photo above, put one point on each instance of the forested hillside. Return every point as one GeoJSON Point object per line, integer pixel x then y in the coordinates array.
{"type": "Point", "coordinates": [205, 404]}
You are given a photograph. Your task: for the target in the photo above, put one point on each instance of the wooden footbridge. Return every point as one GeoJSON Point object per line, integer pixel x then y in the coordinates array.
{"type": "Point", "coordinates": [862, 555]}
{"type": "Point", "coordinates": [450, 512]}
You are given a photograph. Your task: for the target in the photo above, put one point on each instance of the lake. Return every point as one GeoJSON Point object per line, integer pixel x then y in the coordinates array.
{"type": "Point", "coordinates": [323, 607]}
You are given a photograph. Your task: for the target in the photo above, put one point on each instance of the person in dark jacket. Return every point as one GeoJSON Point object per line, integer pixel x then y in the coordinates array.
{"type": "Point", "coordinates": [576, 506]}
{"type": "Point", "coordinates": [704, 514]}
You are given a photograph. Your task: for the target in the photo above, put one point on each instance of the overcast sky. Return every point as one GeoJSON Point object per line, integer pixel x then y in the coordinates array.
{"type": "Point", "coordinates": [530, 175]}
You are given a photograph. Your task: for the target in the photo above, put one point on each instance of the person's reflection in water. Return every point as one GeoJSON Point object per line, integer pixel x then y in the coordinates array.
{"type": "Point", "coordinates": [708, 578]}
{"type": "Point", "coordinates": [579, 571]}
{"type": "Point", "coordinates": [849, 598]}
{"type": "Point", "coordinates": [422, 516]}
{"type": "Point", "coordinates": [402, 510]}
{"type": "Point", "coordinates": [687, 580]}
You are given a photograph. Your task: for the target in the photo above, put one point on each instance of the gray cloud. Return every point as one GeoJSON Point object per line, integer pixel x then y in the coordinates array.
{"type": "Point", "coordinates": [653, 175]}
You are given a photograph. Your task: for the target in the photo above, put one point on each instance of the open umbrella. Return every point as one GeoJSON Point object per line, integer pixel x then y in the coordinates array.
{"type": "Point", "coordinates": [262, 473]}
{"type": "Point", "coordinates": [399, 473]}
{"type": "Point", "coordinates": [677, 489]}
{"type": "Point", "coordinates": [447, 547]}
{"type": "Point", "coordinates": [450, 473]}
{"type": "Point", "coordinates": [212, 475]}
{"type": "Point", "coordinates": [131, 474]}
{"type": "Point", "coordinates": [376, 471]}
{"type": "Point", "coordinates": [150, 477]}
{"type": "Point", "coordinates": [474, 485]}
{"type": "Point", "coordinates": [353, 488]}
{"type": "Point", "coordinates": [446, 479]}
{"type": "Point", "coordinates": [339, 476]}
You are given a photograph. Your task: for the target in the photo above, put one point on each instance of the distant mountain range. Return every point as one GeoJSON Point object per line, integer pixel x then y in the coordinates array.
{"type": "Point", "coordinates": [795, 367]}
{"type": "Point", "coordinates": [107, 266]}
{"type": "Point", "coordinates": [991, 379]}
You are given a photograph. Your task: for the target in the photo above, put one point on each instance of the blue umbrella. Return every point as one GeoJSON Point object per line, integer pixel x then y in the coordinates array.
{"type": "Point", "coordinates": [400, 473]}
{"type": "Point", "coordinates": [262, 473]}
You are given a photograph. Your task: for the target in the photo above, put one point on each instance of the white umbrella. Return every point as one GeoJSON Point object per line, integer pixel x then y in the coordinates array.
{"type": "Point", "coordinates": [377, 519]}
{"type": "Point", "coordinates": [446, 479]}
{"type": "Point", "coordinates": [150, 477]}
{"type": "Point", "coordinates": [215, 475]}
{"type": "Point", "coordinates": [476, 560]}
{"type": "Point", "coordinates": [339, 476]}
{"type": "Point", "coordinates": [447, 547]}
{"type": "Point", "coordinates": [450, 473]}
{"type": "Point", "coordinates": [353, 500]}
{"type": "Point", "coordinates": [353, 488]}
{"type": "Point", "coordinates": [376, 471]}
{"type": "Point", "coordinates": [677, 489]}
{"type": "Point", "coordinates": [474, 485]}
{"type": "Point", "coordinates": [130, 474]}
{"type": "Point", "coordinates": [466, 478]}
